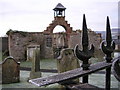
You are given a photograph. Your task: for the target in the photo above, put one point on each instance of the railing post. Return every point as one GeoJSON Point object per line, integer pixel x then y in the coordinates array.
{"type": "Point", "coordinates": [85, 54]}
{"type": "Point", "coordinates": [108, 49]}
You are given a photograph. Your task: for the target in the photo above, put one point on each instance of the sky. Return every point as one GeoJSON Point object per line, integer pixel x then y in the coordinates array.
{"type": "Point", "coordinates": [36, 15]}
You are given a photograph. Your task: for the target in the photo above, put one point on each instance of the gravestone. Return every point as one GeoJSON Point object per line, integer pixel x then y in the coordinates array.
{"type": "Point", "coordinates": [67, 61]}
{"type": "Point", "coordinates": [10, 70]}
{"type": "Point", "coordinates": [35, 70]}
{"type": "Point", "coordinates": [30, 51]}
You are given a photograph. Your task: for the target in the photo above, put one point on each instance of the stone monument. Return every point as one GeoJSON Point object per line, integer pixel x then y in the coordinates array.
{"type": "Point", "coordinates": [35, 70]}
{"type": "Point", "coordinates": [10, 70]}
{"type": "Point", "coordinates": [67, 61]}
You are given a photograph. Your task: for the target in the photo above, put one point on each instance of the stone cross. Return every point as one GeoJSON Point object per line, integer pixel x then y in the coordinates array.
{"type": "Point", "coordinates": [67, 61]}
{"type": "Point", "coordinates": [35, 70]}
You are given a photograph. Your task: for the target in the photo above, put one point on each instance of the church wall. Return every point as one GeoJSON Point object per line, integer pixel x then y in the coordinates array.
{"type": "Point", "coordinates": [19, 41]}
{"type": "Point", "coordinates": [94, 38]}
{"type": "Point", "coordinates": [48, 50]}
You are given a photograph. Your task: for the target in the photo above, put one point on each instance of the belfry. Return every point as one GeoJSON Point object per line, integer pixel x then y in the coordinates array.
{"type": "Point", "coordinates": [59, 10]}
{"type": "Point", "coordinates": [59, 19]}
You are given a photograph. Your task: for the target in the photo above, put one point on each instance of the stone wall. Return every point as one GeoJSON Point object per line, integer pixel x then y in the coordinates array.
{"type": "Point", "coordinates": [19, 41]}
{"type": "Point", "coordinates": [60, 40]}
{"type": "Point", "coordinates": [48, 50]}
{"type": "Point", "coordinates": [76, 38]}
{"type": "Point", "coordinates": [94, 38]}
{"type": "Point", "coordinates": [58, 21]}
{"type": "Point", "coordinates": [4, 43]}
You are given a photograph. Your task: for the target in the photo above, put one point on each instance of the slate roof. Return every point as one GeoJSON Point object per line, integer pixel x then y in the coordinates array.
{"type": "Point", "coordinates": [59, 7]}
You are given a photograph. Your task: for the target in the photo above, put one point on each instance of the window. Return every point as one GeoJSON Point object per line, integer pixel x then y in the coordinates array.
{"type": "Point", "coordinates": [49, 42]}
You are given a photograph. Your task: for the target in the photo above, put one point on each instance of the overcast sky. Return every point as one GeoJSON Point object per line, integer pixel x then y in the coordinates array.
{"type": "Point", "coordinates": [36, 15]}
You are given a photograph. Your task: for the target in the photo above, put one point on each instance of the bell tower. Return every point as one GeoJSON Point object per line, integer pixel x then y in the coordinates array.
{"type": "Point", "coordinates": [59, 10]}
{"type": "Point", "coordinates": [59, 19]}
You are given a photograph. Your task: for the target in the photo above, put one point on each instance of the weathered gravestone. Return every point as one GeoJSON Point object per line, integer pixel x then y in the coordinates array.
{"type": "Point", "coordinates": [67, 61]}
{"type": "Point", "coordinates": [10, 70]}
{"type": "Point", "coordinates": [35, 71]}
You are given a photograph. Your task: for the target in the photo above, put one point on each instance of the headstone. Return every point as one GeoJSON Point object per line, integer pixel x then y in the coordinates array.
{"type": "Point", "coordinates": [30, 51]}
{"type": "Point", "coordinates": [10, 70]}
{"type": "Point", "coordinates": [67, 61]}
{"type": "Point", "coordinates": [35, 70]}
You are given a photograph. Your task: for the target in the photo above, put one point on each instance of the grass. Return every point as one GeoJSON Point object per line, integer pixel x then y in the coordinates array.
{"type": "Point", "coordinates": [0, 56]}
{"type": "Point", "coordinates": [44, 64]}
{"type": "Point", "coordinates": [99, 80]}
{"type": "Point", "coordinates": [50, 63]}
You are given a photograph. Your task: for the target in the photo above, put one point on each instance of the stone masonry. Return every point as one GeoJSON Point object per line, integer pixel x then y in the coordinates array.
{"type": "Point", "coordinates": [49, 41]}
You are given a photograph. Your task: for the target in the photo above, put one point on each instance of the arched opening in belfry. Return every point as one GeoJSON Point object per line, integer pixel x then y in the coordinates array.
{"type": "Point", "coordinates": [59, 40]}
{"type": "Point", "coordinates": [59, 29]}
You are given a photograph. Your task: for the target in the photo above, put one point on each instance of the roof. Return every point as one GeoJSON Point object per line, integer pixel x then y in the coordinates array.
{"type": "Point", "coordinates": [59, 7]}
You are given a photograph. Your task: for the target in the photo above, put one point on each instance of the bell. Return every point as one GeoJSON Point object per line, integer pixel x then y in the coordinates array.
{"type": "Point", "coordinates": [60, 13]}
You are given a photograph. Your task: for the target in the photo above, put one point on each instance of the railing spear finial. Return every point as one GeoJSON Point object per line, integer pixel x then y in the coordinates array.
{"type": "Point", "coordinates": [108, 47]}
{"type": "Point", "coordinates": [86, 53]}
{"type": "Point", "coordinates": [85, 42]}
{"type": "Point", "coordinates": [108, 33]}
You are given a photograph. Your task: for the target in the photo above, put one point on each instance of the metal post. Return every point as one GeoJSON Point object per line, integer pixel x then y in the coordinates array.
{"type": "Point", "coordinates": [54, 13]}
{"type": "Point", "coordinates": [108, 49]}
{"type": "Point", "coordinates": [64, 13]}
{"type": "Point", "coordinates": [85, 66]}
